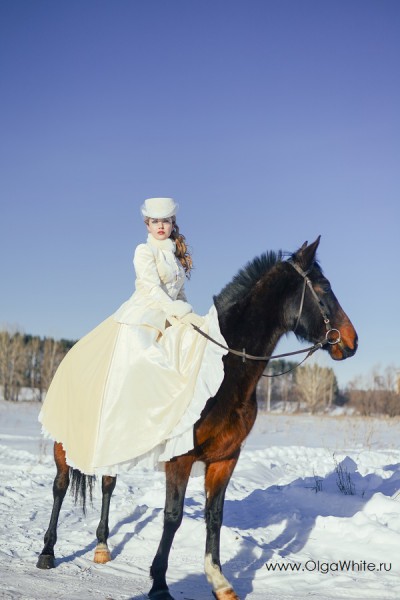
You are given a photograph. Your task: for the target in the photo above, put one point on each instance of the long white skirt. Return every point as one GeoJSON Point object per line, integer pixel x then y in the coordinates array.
{"type": "Point", "coordinates": [125, 395]}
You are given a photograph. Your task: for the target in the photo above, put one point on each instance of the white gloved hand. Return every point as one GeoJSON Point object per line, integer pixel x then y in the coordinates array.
{"type": "Point", "coordinates": [192, 319]}
{"type": "Point", "coordinates": [178, 308]}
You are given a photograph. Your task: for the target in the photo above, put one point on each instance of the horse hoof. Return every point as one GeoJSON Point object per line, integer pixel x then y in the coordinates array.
{"type": "Point", "coordinates": [102, 554]}
{"type": "Point", "coordinates": [45, 561]}
{"type": "Point", "coordinates": [160, 595]}
{"type": "Point", "coordinates": [227, 594]}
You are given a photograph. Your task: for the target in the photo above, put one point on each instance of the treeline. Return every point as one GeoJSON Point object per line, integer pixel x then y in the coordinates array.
{"type": "Point", "coordinates": [313, 388]}
{"type": "Point", "coordinates": [28, 361]}
{"type": "Point", "coordinates": [379, 393]}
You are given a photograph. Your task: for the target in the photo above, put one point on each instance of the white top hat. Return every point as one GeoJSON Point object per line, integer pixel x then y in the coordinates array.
{"type": "Point", "coordinates": [159, 208]}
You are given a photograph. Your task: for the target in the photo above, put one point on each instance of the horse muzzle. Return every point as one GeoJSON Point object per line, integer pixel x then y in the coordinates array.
{"type": "Point", "coordinates": [347, 344]}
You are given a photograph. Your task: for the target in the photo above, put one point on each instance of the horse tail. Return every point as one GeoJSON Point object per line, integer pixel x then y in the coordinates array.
{"type": "Point", "coordinates": [81, 484]}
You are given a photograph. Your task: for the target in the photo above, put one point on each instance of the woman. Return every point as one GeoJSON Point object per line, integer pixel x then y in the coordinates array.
{"type": "Point", "coordinates": [131, 390]}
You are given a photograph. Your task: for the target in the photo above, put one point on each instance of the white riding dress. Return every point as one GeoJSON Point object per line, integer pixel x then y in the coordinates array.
{"type": "Point", "coordinates": [130, 391]}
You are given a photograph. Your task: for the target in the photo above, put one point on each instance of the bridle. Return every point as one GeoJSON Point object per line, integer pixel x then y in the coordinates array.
{"type": "Point", "coordinates": [310, 350]}
{"type": "Point", "coordinates": [320, 303]}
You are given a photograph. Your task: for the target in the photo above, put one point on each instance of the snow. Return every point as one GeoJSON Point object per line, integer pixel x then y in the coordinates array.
{"type": "Point", "coordinates": [283, 510]}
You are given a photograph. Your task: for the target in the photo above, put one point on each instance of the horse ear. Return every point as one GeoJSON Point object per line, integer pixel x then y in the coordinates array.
{"type": "Point", "coordinates": [306, 255]}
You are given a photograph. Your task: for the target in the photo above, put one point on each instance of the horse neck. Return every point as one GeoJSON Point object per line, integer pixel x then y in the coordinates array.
{"type": "Point", "coordinates": [259, 325]}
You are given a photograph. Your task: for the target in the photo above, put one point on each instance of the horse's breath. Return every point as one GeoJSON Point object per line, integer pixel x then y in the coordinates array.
{"type": "Point", "coordinates": [263, 302]}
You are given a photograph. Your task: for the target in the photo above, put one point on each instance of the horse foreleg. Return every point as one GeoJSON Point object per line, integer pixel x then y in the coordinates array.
{"type": "Point", "coordinates": [177, 474]}
{"type": "Point", "coordinates": [102, 553]}
{"type": "Point", "coordinates": [60, 486]}
{"type": "Point", "coordinates": [217, 478]}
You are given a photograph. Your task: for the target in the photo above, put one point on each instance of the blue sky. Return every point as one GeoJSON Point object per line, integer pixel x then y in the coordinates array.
{"type": "Point", "coordinates": [270, 122]}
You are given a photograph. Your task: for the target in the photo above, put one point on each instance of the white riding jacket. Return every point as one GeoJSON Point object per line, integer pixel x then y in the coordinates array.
{"type": "Point", "coordinates": [159, 286]}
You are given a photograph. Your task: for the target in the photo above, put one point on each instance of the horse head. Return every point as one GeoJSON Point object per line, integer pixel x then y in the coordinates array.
{"type": "Point", "coordinates": [313, 312]}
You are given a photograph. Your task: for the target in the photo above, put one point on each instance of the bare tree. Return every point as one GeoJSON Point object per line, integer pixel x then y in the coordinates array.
{"type": "Point", "coordinates": [279, 388]}
{"type": "Point", "coordinates": [12, 364]}
{"type": "Point", "coordinates": [316, 385]}
{"type": "Point", "coordinates": [52, 356]}
{"type": "Point", "coordinates": [34, 360]}
{"type": "Point", "coordinates": [377, 393]}
{"type": "Point", "coordinates": [287, 390]}
{"type": "Point", "coordinates": [28, 361]}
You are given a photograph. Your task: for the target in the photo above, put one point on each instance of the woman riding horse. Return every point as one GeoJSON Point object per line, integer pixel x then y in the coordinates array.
{"type": "Point", "coordinates": [267, 299]}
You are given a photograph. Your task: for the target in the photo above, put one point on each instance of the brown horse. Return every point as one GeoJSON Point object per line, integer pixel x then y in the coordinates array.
{"type": "Point", "coordinates": [268, 298]}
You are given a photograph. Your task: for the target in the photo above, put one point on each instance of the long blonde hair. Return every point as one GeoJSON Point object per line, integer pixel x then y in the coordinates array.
{"type": "Point", "coordinates": [182, 251]}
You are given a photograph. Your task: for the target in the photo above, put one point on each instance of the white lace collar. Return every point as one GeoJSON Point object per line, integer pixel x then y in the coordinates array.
{"type": "Point", "coordinates": [166, 245]}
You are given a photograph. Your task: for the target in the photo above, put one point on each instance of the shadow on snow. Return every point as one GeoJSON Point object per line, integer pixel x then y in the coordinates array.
{"type": "Point", "coordinates": [294, 506]}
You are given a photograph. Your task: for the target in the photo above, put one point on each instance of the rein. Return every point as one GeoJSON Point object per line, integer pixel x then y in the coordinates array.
{"type": "Point", "coordinates": [243, 354]}
{"type": "Point", "coordinates": [310, 350]}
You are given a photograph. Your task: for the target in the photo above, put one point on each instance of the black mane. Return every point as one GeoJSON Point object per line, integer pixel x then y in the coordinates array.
{"type": "Point", "coordinates": [244, 281]}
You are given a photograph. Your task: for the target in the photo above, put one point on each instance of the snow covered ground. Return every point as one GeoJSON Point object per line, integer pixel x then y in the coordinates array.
{"type": "Point", "coordinates": [289, 533]}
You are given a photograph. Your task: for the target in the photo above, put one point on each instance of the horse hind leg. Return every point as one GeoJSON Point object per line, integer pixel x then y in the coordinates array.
{"type": "Point", "coordinates": [61, 482]}
{"type": "Point", "coordinates": [102, 553]}
{"type": "Point", "coordinates": [217, 478]}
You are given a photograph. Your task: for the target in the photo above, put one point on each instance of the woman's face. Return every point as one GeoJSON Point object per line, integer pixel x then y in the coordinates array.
{"type": "Point", "coordinates": [160, 229]}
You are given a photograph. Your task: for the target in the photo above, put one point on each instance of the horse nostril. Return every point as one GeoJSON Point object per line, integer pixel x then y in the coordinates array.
{"type": "Point", "coordinates": [347, 352]}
